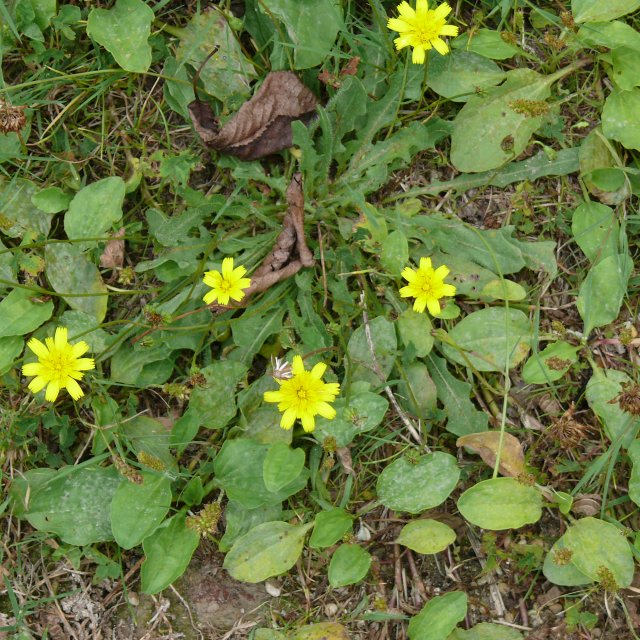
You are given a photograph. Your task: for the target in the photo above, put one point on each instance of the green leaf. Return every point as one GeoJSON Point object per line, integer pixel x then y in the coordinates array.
{"type": "Point", "coordinates": [311, 45]}
{"type": "Point", "coordinates": [415, 487]}
{"type": "Point", "coordinates": [51, 200]}
{"type": "Point", "coordinates": [488, 131]}
{"type": "Point", "coordinates": [621, 118]}
{"type": "Point", "coordinates": [415, 329]}
{"type": "Point", "coordinates": [240, 520]}
{"type": "Point", "coordinates": [550, 364]}
{"type": "Point", "coordinates": [603, 290]}
{"type": "Point", "coordinates": [603, 387]}
{"type": "Point", "coordinates": [267, 550]}
{"type": "Point", "coordinates": [227, 74]}
{"type": "Point", "coordinates": [438, 617]}
{"type": "Point", "coordinates": [19, 216]}
{"type": "Point", "coordinates": [596, 230]}
{"type": "Point", "coordinates": [626, 71]}
{"type": "Point", "coordinates": [167, 554]}
{"type": "Point", "coordinates": [597, 544]}
{"type": "Point", "coordinates": [320, 631]}
{"type": "Point", "coordinates": [486, 43]}
{"type": "Point", "coordinates": [329, 528]}
{"type": "Point", "coordinates": [634, 480]}
{"type": "Point", "coordinates": [76, 279]}
{"type": "Point", "coordinates": [486, 631]}
{"type": "Point", "coordinates": [426, 536]}
{"type": "Point", "coordinates": [138, 509]}
{"type": "Point", "coordinates": [20, 315]}
{"type": "Point", "coordinates": [281, 466]}
{"type": "Point", "coordinates": [501, 503]}
{"type": "Point", "coordinates": [596, 10]}
{"type": "Point", "coordinates": [124, 31]}
{"type": "Point", "coordinates": [383, 337]}
{"type": "Point", "coordinates": [150, 436]}
{"type": "Point", "coordinates": [349, 564]}
{"type": "Point", "coordinates": [609, 34]}
{"type": "Point", "coordinates": [418, 391]}
{"type": "Point", "coordinates": [501, 289]}
{"type": "Point", "coordinates": [74, 504]}
{"type": "Point", "coordinates": [395, 252]}
{"type": "Point", "coordinates": [462, 74]}
{"type": "Point", "coordinates": [10, 348]}
{"type": "Point", "coordinates": [82, 326]}
{"type": "Point", "coordinates": [244, 482]}
{"type": "Point", "coordinates": [565, 573]}
{"type": "Point", "coordinates": [94, 210]}
{"type": "Point", "coordinates": [490, 338]}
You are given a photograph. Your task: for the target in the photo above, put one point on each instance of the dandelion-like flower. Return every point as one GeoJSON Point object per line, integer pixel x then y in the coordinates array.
{"type": "Point", "coordinates": [304, 395]}
{"type": "Point", "coordinates": [427, 286]}
{"type": "Point", "coordinates": [228, 284]}
{"type": "Point", "coordinates": [422, 28]}
{"type": "Point", "coordinates": [59, 365]}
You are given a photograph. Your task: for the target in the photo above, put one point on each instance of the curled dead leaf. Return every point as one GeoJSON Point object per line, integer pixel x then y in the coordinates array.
{"type": "Point", "coordinates": [486, 444]}
{"type": "Point", "coordinates": [587, 504]}
{"type": "Point", "coordinates": [113, 255]}
{"type": "Point", "coordinates": [262, 126]}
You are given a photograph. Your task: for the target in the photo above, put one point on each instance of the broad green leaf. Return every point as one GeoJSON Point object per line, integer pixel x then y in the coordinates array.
{"type": "Point", "coordinates": [82, 326]}
{"type": "Point", "coordinates": [501, 503]}
{"type": "Point", "coordinates": [395, 253]}
{"type": "Point", "coordinates": [603, 387]}
{"type": "Point", "coordinates": [415, 486]}
{"type": "Point", "coordinates": [383, 337]}
{"type": "Point", "coordinates": [426, 536]}
{"type": "Point", "coordinates": [244, 482]}
{"type": "Point", "coordinates": [94, 210]}
{"type": "Point", "coordinates": [240, 520]}
{"type": "Point", "coordinates": [281, 466]}
{"type": "Point", "coordinates": [418, 391]}
{"type": "Point", "coordinates": [74, 504]}
{"type": "Point", "coordinates": [560, 570]}
{"type": "Point", "coordinates": [250, 332]}
{"type": "Point", "coordinates": [610, 34]}
{"type": "Point", "coordinates": [320, 631]}
{"type": "Point", "coordinates": [462, 416]}
{"type": "Point", "coordinates": [19, 216]}
{"type": "Point", "coordinates": [603, 290]}
{"type": "Point", "coordinates": [626, 70]}
{"type": "Point", "coordinates": [501, 289]}
{"type": "Point", "coordinates": [349, 564]}
{"type": "Point", "coordinates": [128, 362]}
{"type": "Point", "coordinates": [490, 338]}
{"type": "Point", "coordinates": [124, 32]}
{"type": "Point", "coordinates": [486, 631]}
{"type": "Point", "coordinates": [634, 480]}
{"type": "Point", "coordinates": [438, 617]}
{"type": "Point", "coordinates": [597, 544]}
{"type": "Point", "coordinates": [415, 329]}
{"type": "Point", "coordinates": [596, 230]}
{"type": "Point", "coordinates": [486, 43]}
{"type": "Point", "coordinates": [10, 349]}
{"type": "Point", "coordinates": [489, 130]}
{"type": "Point", "coordinates": [24, 486]}
{"type": "Point", "coordinates": [227, 74]}
{"type": "Point", "coordinates": [76, 279]}
{"type": "Point", "coordinates": [462, 74]}
{"type": "Point", "coordinates": [596, 10]}
{"type": "Point", "coordinates": [167, 554]}
{"type": "Point", "coordinates": [621, 118]}
{"type": "Point", "coordinates": [329, 528]}
{"type": "Point", "coordinates": [138, 509]}
{"type": "Point", "coordinates": [267, 550]}
{"type": "Point", "coordinates": [21, 314]}
{"type": "Point", "coordinates": [311, 44]}
{"type": "Point", "coordinates": [51, 199]}
{"type": "Point", "coordinates": [550, 364]}
{"type": "Point", "coordinates": [144, 434]}
{"type": "Point", "coordinates": [178, 91]}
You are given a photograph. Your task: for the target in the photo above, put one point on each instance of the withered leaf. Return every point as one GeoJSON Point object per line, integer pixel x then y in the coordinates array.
{"type": "Point", "coordinates": [113, 255]}
{"type": "Point", "coordinates": [262, 126]}
{"type": "Point", "coordinates": [486, 444]}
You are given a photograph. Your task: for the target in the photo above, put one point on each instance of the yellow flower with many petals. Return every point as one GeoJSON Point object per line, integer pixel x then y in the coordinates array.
{"type": "Point", "coordinates": [59, 365]}
{"type": "Point", "coordinates": [228, 284]}
{"type": "Point", "coordinates": [304, 396]}
{"type": "Point", "coordinates": [422, 28]}
{"type": "Point", "coordinates": [427, 286]}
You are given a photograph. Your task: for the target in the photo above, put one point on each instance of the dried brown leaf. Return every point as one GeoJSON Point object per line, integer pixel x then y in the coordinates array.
{"type": "Point", "coordinates": [262, 126]}
{"type": "Point", "coordinates": [113, 255]}
{"type": "Point", "coordinates": [486, 444]}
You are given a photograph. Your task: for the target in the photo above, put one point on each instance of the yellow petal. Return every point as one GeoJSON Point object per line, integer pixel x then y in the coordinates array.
{"type": "Point", "coordinates": [396, 24]}
{"type": "Point", "coordinates": [420, 304]}
{"type": "Point", "coordinates": [406, 10]}
{"type": "Point", "coordinates": [288, 419]}
{"type": "Point", "coordinates": [418, 56]}
{"type": "Point", "coordinates": [441, 272]}
{"type": "Point", "coordinates": [84, 364]}
{"type": "Point", "coordinates": [244, 283]}
{"type": "Point", "coordinates": [326, 410]}
{"type": "Point", "coordinates": [79, 349]}
{"type": "Point", "coordinates": [210, 297]}
{"type": "Point", "coordinates": [318, 370]}
{"type": "Point", "coordinates": [440, 46]}
{"type": "Point", "coordinates": [425, 263]}
{"type": "Point", "coordinates": [53, 389]}
{"type": "Point", "coordinates": [236, 294]}
{"type": "Point", "coordinates": [31, 369]}
{"type": "Point", "coordinates": [223, 297]}
{"type": "Point", "coordinates": [443, 10]}
{"type": "Point", "coordinates": [409, 274]}
{"type": "Point", "coordinates": [38, 348]}
{"type": "Point", "coordinates": [422, 6]}
{"type": "Point", "coordinates": [37, 384]}
{"type": "Point", "coordinates": [407, 292]}
{"type": "Point", "coordinates": [212, 279]}
{"type": "Point", "coordinates": [227, 268]}
{"type": "Point", "coordinates": [238, 272]}
{"type": "Point", "coordinates": [434, 306]}
{"type": "Point", "coordinates": [308, 422]}
{"type": "Point", "coordinates": [449, 30]}
{"type": "Point", "coordinates": [272, 396]}
{"type": "Point", "coordinates": [448, 290]}
{"type": "Point", "coordinates": [297, 366]}
{"type": "Point", "coordinates": [60, 339]}
{"type": "Point", "coordinates": [74, 389]}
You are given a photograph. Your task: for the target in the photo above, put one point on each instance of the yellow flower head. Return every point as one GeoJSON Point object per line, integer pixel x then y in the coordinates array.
{"type": "Point", "coordinates": [422, 28]}
{"type": "Point", "coordinates": [304, 395]}
{"type": "Point", "coordinates": [427, 286]}
{"type": "Point", "coordinates": [59, 365]}
{"type": "Point", "coordinates": [226, 285]}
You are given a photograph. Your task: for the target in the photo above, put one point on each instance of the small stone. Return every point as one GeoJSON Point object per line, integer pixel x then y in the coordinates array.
{"type": "Point", "coordinates": [331, 609]}
{"type": "Point", "coordinates": [133, 599]}
{"type": "Point", "coordinates": [272, 589]}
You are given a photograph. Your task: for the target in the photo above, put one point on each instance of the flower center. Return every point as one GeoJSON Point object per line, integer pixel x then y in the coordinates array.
{"type": "Point", "coordinates": [225, 285]}
{"type": "Point", "coordinates": [59, 364]}
{"type": "Point", "coordinates": [302, 394]}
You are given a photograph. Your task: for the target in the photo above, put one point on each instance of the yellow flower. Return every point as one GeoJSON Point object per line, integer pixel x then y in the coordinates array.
{"type": "Point", "coordinates": [422, 28]}
{"type": "Point", "coordinates": [226, 285]}
{"type": "Point", "coordinates": [427, 286]}
{"type": "Point", "coordinates": [304, 395]}
{"type": "Point", "coordinates": [59, 365]}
